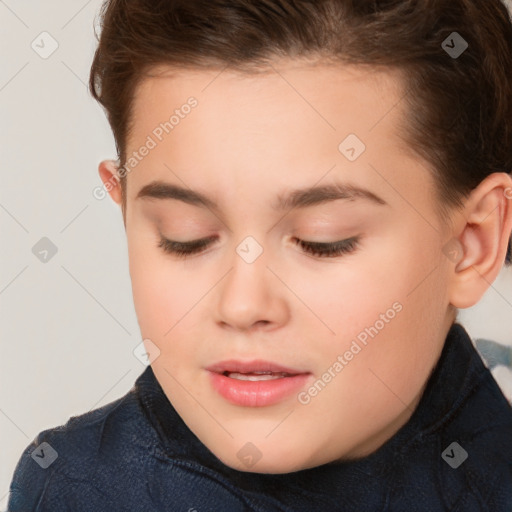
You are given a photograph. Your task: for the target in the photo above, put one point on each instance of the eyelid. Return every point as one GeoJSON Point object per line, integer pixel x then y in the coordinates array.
{"type": "Point", "coordinates": [189, 244]}
{"type": "Point", "coordinates": [330, 249]}
{"type": "Point", "coordinates": [323, 250]}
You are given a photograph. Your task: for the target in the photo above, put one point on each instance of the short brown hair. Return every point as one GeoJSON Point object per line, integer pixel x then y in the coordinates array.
{"type": "Point", "coordinates": [459, 109]}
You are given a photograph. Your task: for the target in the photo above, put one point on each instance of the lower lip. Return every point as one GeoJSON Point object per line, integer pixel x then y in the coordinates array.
{"type": "Point", "coordinates": [249, 393]}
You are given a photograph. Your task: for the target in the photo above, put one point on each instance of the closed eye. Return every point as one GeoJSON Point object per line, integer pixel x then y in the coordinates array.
{"type": "Point", "coordinates": [320, 249]}
{"type": "Point", "coordinates": [330, 249]}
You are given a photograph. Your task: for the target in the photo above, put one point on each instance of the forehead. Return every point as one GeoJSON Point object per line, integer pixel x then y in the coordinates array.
{"type": "Point", "coordinates": [288, 121]}
{"type": "Point", "coordinates": [335, 95]}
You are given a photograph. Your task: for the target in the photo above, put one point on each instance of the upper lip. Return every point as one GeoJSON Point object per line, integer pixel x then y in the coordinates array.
{"type": "Point", "coordinates": [251, 367]}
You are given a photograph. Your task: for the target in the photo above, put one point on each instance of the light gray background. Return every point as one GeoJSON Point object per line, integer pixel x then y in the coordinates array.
{"type": "Point", "coordinates": [68, 326]}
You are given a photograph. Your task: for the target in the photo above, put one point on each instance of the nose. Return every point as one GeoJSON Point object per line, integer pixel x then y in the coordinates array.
{"type": "Point", "coordinates": [251, 296]}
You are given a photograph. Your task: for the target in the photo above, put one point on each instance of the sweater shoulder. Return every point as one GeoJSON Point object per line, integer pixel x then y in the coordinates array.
{"type": "Point", "coordinates": [477, 443]}
{"type": "Point", "coordinates": [468, 453]}
{"type": "Point", "coordinates": [72, 453]}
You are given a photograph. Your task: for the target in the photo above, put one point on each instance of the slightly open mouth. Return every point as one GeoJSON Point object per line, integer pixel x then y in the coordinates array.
{"type": "Point", "coordinates": [256, 376]}
{"type": "Point", "coordinates": [257, 388]}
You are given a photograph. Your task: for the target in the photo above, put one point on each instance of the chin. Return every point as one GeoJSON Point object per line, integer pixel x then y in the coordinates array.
{"type": "Point", "coordinates": [250, 459]}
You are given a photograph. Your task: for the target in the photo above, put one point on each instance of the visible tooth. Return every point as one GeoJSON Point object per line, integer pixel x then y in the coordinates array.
{"type": "Point", "coordinates": [256, 376]}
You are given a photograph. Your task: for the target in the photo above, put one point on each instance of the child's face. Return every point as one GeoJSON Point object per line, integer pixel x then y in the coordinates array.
{"type": "Point", "coordinates": [366, 326]}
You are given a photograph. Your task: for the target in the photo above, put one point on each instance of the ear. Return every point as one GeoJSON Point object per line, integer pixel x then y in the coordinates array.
{"type": "Point", "coordinates": [483, 233]}
{"type": "Point", "coordinates": [108, 170]}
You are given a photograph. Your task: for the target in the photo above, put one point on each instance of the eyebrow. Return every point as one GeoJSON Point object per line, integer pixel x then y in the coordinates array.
{"type": "Point", "coordinates": [298, 198]}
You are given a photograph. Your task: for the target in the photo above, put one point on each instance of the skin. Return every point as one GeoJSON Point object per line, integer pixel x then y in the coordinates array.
{"type": "Point", "coordinates": [250, 139]}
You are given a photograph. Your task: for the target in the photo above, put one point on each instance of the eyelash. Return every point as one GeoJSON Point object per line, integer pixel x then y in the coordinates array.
{"type": "Point", "coordinates": [319, 249]}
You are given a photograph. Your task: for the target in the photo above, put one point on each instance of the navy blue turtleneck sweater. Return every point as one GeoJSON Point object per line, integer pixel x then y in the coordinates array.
{"type": "Point", "coordinates": [136, 454]}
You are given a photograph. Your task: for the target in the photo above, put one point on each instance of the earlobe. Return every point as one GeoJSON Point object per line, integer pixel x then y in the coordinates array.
{"type": "Point", "coordinates": [483, 237]}
{"type": "Point", "coordinates": [108, 173]}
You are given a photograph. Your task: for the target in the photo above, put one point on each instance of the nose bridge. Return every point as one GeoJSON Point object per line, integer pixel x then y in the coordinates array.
{"type": "Point", "coordinates": [250, 249]}
{"type": "Point", "coordinates": [249, 268]}
{"type": "Point", "coordinates": [250, 293]}
{"type": "Point", "coordinates": [257, 239]}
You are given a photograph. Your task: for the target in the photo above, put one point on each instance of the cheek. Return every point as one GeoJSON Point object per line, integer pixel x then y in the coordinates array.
{"type": "Point", "coordinates": [164, 305]}
{"type": "Point", "coordinates": [364, 287]}
{"type": "Point", "coordinates": [401, 345]}
{"type": "Point", "coordinates": [160, 293]}
{"type": "Point", "coordinates": [383, 300]}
